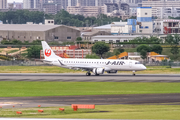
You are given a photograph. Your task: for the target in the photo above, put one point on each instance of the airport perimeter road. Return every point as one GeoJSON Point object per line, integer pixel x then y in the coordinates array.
{"type": "Point", "coordinates": [165, 99]}
{"type": "Point", "coordinates": [72, 77]}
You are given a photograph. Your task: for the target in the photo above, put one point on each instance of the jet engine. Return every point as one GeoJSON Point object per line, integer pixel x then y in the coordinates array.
{"type": "Point", "coordinates": [98, 71]}
{"type": "Point", "coordinates": [112, 71]}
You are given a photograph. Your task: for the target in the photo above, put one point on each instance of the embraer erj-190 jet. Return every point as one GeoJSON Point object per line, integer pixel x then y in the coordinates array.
{"type": "Point", "coordinates": [96, 66]}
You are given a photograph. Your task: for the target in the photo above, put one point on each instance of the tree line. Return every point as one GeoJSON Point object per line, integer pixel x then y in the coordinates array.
{"type": "Point", "coordinates": [62, 17]}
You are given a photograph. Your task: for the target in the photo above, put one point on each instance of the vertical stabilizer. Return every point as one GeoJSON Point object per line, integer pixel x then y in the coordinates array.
{"type": "Point", "coordinates": [48, 52]}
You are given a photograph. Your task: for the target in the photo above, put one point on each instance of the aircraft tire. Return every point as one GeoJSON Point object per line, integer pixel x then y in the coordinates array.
{"type": "Point", "coordinates": [88, 74]}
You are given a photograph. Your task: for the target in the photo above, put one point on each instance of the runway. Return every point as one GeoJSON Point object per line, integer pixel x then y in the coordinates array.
{"type": "Point", "coordinates": [20, 102]}
{"type": "Point", "coordinates": [24, 102]}
{"type": "Point", "coordinates": [74, 77]}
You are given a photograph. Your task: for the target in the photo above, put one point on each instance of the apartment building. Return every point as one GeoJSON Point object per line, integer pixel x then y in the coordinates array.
{"type": "Point", "coordinates": [163, 9]}
{"type": "Point", "coordinates": [3, 4]}
{"type": "Point", "coordinates": [110, 7]}
{"type": "Point", "coordinates": [85, 10]}
{"type": "Point", "coordinates": [32, 4]}
{"type": "Point", "coordinates": [71, 5]}
{"type": "Point", "coordinates": [51, 8]}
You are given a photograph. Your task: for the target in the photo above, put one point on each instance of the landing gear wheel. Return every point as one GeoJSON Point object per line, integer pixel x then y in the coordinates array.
{"type": "Point", "coordinates": [88, 74]}
{"type": "Point", "coordinates": [96, 74]}
{"type": "Point", "coordinates": [134, 72]}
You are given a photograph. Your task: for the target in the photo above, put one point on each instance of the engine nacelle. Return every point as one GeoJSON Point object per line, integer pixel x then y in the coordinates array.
{"type": "Point", "coordinates": [112, 71]}
{"type": "Point", "coordinates": [98, 70]}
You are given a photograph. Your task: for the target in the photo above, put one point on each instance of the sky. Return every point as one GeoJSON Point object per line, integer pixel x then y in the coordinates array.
{"type": "Point", "coordinates": [10, 1]}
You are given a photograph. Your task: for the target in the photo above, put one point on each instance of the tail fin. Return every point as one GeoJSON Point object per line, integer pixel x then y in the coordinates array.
{"type": "Point", "coordinates": [48, 52]}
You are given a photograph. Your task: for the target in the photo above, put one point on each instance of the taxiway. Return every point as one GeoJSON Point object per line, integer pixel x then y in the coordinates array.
{"type": "Point", "coordinates": [74, 77]}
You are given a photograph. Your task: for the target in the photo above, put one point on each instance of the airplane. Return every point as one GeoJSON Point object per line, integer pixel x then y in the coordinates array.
{"type": "Point", "coordinates": [96, 66]}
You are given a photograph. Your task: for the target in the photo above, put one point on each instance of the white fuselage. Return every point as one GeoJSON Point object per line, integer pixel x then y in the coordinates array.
{"type": "Point", "coordinates": [107, 64]}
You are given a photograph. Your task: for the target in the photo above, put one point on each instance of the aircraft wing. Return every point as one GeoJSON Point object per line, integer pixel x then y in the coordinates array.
{"type": "Point", "coordinates": [88, 67]}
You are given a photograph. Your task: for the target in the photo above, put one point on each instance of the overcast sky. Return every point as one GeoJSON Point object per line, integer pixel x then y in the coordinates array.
{"type": "Point", "coordinates": [10, 1]}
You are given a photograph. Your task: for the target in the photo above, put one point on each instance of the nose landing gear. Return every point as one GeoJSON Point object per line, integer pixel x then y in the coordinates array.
{"type": "Point", "coordinates": [88, 74]}
{"type": "Point", "coordinates": [134, 73]}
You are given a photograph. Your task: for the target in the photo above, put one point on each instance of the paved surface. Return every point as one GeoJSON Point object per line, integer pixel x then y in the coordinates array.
{"type": "Point", "coordinates": [168, 99]}
{"type": "Point", "coordinates": [81, 77]}
{"type": "Point", "coordinates": [8, 102]}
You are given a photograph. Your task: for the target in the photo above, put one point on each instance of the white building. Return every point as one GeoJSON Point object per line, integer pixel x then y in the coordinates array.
{"type": "Point", "coordinates": [124, 27]}
{"type": "Point", "coordinates": [114, 38]}
{"type": "Point", "coordinates": [158, 26]}
{"type": "Point", "coordinates": [144, 18]}
{"type": "Point", "coordinates": [166, 26]}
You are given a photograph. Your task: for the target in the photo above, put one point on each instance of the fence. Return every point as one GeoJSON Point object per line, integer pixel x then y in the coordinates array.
{"type": "Point", "coordinates": [22, 63]}
{"type": "Point", "coordinates": [163, 63]}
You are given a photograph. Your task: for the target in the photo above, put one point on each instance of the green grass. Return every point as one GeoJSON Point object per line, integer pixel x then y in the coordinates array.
{"type": "Point", "coordinates": [110, 112]}
{"type": "Point", "coordinates": [55, 69]}
{"type": "Point", "coordinates": [35, 69]}
{"type": "Point", "coordinates": [130, 49]}
{"type": "Point", "coordinates": [24, 88]}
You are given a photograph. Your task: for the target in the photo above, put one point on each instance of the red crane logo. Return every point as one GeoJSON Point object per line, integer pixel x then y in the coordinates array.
{"type": "Point", "coordinates": [48, 52]}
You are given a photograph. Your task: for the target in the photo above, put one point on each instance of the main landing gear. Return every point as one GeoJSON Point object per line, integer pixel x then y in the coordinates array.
{"type": "Point", "coordinates": [134, 73]}
{"type": "Point", "coordinates": [88, 74]}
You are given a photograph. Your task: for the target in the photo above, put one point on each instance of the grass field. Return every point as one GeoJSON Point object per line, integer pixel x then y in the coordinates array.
{"type": "Point", "coordinates": [101, 112]}
{"type": "Point", "coordinates": [55, 69]}
{"type": "Point", "coordinates": [24, 88]}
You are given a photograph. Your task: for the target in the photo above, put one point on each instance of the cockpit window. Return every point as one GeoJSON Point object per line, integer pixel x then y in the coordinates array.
{"type": "Point", "coordinates": [137, 63]}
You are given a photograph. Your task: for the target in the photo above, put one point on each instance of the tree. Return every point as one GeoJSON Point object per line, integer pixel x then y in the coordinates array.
{"type": "Point", "coordinates": [143, 54]}
{"type": "Point", "coordinates": [117, 52]}
{"type": "Point", "coordinates": [5, 42]}
{"type": "Point", "coordinates": [157, 49]}
{"type": "Point", "coordinates": [92, 56]}
{"type": "Point", "coordinates": [108, 54]}
{"type": "Point", "coordinates": [78, 39]}
{"type": "Point", "coordinates": [16, 42]}
{"type": "Point", "coordinates": [121, 50]}
{"type": "Point", "coordinates": [34, 51]}
{"type": "Point", "coordinates": [154, 40]}
{"type": "Point", "coordinates": [100, 48]}
{"type": "Point", "coordinates": [173, 40]}
{"type": "Point", "coordinates": [143, 47]}
{"type": "Point", "coordinates": [36, 42]}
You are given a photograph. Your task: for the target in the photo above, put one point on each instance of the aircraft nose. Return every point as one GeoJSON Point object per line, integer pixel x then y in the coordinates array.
{"type": "Point", "coordinates": [143, 67]}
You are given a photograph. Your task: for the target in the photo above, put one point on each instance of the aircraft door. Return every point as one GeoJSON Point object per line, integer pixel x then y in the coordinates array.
{"type": "Point", "coordinates": [130, 64]}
